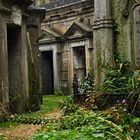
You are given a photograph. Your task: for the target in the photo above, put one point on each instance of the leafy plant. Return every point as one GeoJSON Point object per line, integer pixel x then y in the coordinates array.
{"type": "Point", "coordinates": [68, 106]}
{"type": "Point", "coordinates": [29, 120]}
{"type": "Point", "coordinates": [88, 125]}
{"type": "Point", "coordinates": [59, 92]}
{"type": "Point", "coordinates": [119, 80]}
{"type": "Point", "coordinates": [85, 85]}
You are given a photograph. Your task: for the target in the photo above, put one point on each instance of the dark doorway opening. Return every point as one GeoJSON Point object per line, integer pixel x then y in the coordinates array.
{"type": "Point", "coordinates": [47, 73]}
{"type": "Point", "coordinates": [14, 67]}
{"type": "Point", "coordinates": [79, 62]}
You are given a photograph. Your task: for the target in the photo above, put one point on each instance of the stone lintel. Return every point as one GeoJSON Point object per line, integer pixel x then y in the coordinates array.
{"type": "Point", "coordinates": [102, 23]}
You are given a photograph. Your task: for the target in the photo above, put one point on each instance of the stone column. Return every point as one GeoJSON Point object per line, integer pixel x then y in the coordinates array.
{"type": "Point", "coordinates": [4, 96]}
{"type": "Point", "coordinates": [102, 38]}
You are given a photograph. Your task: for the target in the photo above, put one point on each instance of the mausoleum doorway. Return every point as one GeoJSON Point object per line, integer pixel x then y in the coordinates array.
{"type": "Point", "coordinates": [14, 44]}
{"type": "Point", "coordinates": [79, 62]}
{"type": "Point", "coordinates": [47, 73]}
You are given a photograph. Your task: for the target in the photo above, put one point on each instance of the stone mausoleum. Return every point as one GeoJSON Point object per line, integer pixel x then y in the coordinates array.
{"type": "Point", "coordinates": [66, 43]}
{"type": "Point", "coordinates": [18, 73]}
{"type": "Point", "coordinates": [79, 35]}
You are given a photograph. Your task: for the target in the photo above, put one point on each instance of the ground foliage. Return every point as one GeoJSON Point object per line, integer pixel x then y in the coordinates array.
{"type": "Point", "coordinates": [51, 103]}
{"type": "Point", "coordinates": [16, 125]}
{"type": "Point", "coordinates": [82, 124]}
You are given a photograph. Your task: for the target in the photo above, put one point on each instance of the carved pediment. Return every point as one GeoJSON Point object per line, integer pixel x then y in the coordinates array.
{"type": "Point", "coordinates": [45, 36]}
{"type": "Point", "coordinates": [48, 35]}
{"type": "Point", "coordinates": [77, 29]}
{"type": "Point", "coordinates": [74, 32]}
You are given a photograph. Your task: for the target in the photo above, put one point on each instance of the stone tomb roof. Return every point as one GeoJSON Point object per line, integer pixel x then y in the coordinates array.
{"type": "Point", "coordinates": [60, 3]}
{"type": "Point", "coordinates": [49, 35]}
{"type": "Point", "coordinates": [76, 30]}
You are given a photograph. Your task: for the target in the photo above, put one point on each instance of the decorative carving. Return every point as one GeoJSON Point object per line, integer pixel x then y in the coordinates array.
{"type": "Point", "coordinates": [125, 12]}
{"type": "Point", "coordinates": [128, 6]}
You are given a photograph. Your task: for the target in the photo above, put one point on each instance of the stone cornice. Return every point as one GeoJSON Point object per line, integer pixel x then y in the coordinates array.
{"type": "Point", "coordinates": [5, 10]}
{"type": "Point", "coordinates": [102, 23]}
{"type": "Point", "coordinates": [45, 41]}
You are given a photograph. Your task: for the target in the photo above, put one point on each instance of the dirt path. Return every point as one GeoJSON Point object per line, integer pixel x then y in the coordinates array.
{"type": "Point", "coordinates": [55, 114]}
{"type": "Point", "coordinates": [20, 132]}
{"type": "Point", "coordinates": [25, 131]}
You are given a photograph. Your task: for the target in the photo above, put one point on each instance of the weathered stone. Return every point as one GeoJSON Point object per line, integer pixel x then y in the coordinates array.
{"type": "Point", "coordinates": [14, 74]}
{"type": "Point", "coordinates": [102, 39]}
{"type": "Point", "coordinates": [137, 34]}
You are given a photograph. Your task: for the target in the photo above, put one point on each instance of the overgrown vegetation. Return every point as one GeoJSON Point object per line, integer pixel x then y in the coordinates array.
{"type": "Point", "coordinates": [119, 79]}
{"type": "Point", "coordinates": [84, 124]}
{"type": "Point", "coordinates": [114, 123]}
{"type": "Point", "coordinates": [68, 106]}
{"type": "Point", "coordinates": [90, 118]}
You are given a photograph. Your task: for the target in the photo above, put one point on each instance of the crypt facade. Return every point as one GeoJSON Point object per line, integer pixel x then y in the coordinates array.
{"type": "Point", "coordinates": [15, 52]}
{"type": "Point", "coordinates": [66, 44]}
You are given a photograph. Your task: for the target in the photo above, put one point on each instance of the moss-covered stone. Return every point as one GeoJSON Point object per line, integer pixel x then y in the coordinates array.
{"type": "Point", "coordinates": [34, 94]}
{"type": "Point", "coordinates": [122, 16]}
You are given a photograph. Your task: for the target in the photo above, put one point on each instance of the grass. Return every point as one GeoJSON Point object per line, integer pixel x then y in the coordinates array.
{"type": "Point", "coordinates": [50, 103]}
{"type": "Point", "coordinates": [8, 124]}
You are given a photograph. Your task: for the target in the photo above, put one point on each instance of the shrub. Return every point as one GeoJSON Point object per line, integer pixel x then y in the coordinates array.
{"type": "Point", "coordinates": [59, 92]}
{"type": "Point", "coordinates": [119, 80]}
{"type": "Point", "coordinates": [67, 106]}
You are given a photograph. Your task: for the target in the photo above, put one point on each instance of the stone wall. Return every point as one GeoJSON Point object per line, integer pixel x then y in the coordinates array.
{"type": "Point", "coordinates": [122, 14]}
{"type": "Point", "coordinates": [19, 77]}
{"type": "Point", "coordinates": [13, 57]}
{"type": "Point", "coordinates": [62, 18]}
